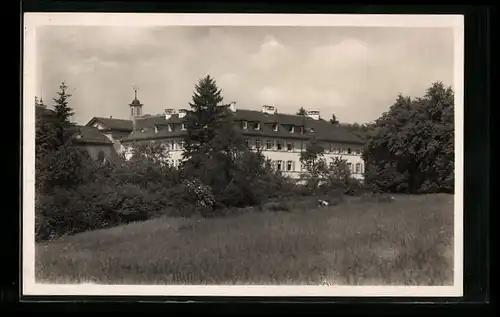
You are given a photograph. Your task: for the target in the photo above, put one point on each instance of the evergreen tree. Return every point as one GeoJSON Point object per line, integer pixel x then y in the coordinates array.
{"type": "Point", "coordinates": [63, 113]}
{"type": "Point", "coordinates": [301, 112]}
{"type": "Point", "coordinates": [206, 112]}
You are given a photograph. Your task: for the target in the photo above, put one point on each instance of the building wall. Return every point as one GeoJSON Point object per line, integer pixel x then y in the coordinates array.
{"type": "Point", "coordinates": [351, 153]}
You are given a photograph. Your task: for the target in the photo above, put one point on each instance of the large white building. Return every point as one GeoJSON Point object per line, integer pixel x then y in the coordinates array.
{"type": "Point", "coordinates": [281, 137]}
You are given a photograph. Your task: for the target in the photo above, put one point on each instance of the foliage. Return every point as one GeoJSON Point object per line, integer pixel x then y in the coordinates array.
{"type": "Point", "coordinates": [301, 112]}
{"type": "Point", "coordinates": [334, 119]}
{"type": "Point", "coordinates": [411, 147]}
{"type": "Point", "coordinates": [217, 154]}
{"type": "Point", "coordinates": [206, 111]}
{"type": "Point", "coordinates": [92, 206]}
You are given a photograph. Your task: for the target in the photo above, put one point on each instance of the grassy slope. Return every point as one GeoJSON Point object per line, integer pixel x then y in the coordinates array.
{"type": "Point", "coordinates": [408, 241]}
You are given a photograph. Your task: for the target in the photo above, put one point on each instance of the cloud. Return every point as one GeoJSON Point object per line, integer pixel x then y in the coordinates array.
{"type": "Point", "coordinates": [355, 73]}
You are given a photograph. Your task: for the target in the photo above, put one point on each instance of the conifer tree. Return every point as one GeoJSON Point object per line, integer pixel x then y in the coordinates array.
{"type": "Point", "coordinates": [63, 113]}
{"type": "Point", "coordinates": [207, 111]}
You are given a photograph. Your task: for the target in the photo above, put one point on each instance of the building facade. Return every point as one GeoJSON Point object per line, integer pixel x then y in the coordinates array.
{"type": "Point", "coordinates": [281, 137]}
{"type": "Point", "coordinates": [89, 138]}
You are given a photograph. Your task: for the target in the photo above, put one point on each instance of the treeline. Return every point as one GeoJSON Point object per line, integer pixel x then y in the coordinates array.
{"type": "Point", "coordinates": [219, 173]}
{"type": "Point", "coordinates": [410, 148]}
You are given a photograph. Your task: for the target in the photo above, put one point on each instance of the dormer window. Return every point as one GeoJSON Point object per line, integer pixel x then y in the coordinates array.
{"type": "Point", "coordinates": [257, 125]}
{"type": "Point", "coordinates": [275, 127]}
{"type": "Point", "coordinates": [311, 130]}
{"type": "Point", "coordinates": [301, 130]}
{"type": "Point", "coordinates": [156, 129]}
{"type": "Point", "coordinates": [245, 125]}
{"type": "Point", "coordinates": [183, 126]}
{"type": "Point", "coordinates": [169, 128]}
{"type": "Point", "coordinates": [291, 129]}
{"type": "Point", "coordinates": [142, 130]}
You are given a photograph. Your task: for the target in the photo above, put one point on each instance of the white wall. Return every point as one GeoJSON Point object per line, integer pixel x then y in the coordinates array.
{"type": "Point", "coordinates": [175, 155]}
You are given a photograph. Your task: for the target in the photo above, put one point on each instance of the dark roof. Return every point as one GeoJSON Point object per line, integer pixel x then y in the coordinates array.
{"type": "Point", "coordinates": [136, 102]}
{"type": "Point", "coordinates": [320, 129]}
{"type": "Point", "coordinates": [44, 112]}
{"type": "Point", "coordinates": [113, 124]}
{"type": "Point", "coordinates": [92, 135]}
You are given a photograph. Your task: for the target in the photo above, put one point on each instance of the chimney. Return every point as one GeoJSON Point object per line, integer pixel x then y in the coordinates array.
{"type": "Point", "coordinates": [169, 113]}
{"type": "Point", "coordinates": [313, 114]}
{"type": "Point", "coordinates": [232, 106]}
{"type": "Point", "coordinates": [182, 113]}
{"type": "Point", "coordinates": [269, 109]}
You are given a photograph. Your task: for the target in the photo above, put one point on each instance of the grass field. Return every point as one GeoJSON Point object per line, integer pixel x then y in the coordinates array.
{"type": "Point", "coordinates": [406, 242]}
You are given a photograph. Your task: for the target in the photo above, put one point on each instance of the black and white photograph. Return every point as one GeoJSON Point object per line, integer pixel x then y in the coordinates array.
{"type": "Point", "coordinates": [242, 154]}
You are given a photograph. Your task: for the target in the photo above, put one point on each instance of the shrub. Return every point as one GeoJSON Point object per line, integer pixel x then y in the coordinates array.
{"type": "Point", "coordinates": [93, 206]}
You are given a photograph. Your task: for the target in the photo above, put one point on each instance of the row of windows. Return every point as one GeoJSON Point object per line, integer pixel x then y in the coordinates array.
{"type": "Point", "coordinates": [289, 166]}
{"type": "Point", "coordinates": [256, 126]}
{"type": "Point", "coordinates": [278, 145]}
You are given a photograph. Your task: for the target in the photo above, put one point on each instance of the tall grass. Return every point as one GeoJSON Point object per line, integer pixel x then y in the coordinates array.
{"type": "Point", "coordinates": [405, 242]}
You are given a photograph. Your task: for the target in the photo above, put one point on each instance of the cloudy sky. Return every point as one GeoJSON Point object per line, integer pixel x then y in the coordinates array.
{"type": "Point", "coordinates": [355, 73]}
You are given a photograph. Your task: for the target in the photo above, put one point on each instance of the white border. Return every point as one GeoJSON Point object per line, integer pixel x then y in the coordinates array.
{"type": "Point", "coordinates": [32, 20]}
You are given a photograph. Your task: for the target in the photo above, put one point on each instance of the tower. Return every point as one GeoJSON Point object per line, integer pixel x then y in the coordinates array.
{"type": "Point", "coordinates": [135, 107]}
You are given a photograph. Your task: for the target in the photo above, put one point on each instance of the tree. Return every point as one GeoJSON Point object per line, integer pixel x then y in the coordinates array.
{"type": "Point", "coordinates": [206, 111]}
{"type": "Point", "coordinates": [309, 158]}
{"type": "Point", "coordinates": [301, 112]}
{"type": "Point", "coordinates": [63, 113]}
{"type": "Point", "coordinates": [217, 155]}
{"type": "Point", "coordinates": [410, 148]}
{"type": "Point", "coordinates": [334, 120]}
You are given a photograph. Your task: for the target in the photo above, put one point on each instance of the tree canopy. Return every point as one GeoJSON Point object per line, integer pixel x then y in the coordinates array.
{"type": "Point", "coordinates": [411, 147]}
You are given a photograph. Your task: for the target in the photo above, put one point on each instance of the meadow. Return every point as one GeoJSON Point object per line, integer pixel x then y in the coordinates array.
{"type": "Point", "coordinates": [408, 241]}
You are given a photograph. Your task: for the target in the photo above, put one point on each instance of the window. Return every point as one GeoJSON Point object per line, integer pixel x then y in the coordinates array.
{"type": "Point", "coordinates": [291, 129]}
{"type": "Point", "coordinates": [349, 151]}
{"type": "Point", "coordinates": [173, 147]}
{"type": "Point", "coordinates": [289, 166]}
{"type": "Point", "coordinates": [289, 146]}
{"type": "Point", "coordinates": [279, 145]}
{"type": "Point", "coordinates": [169, 128]}
{"type": "Point", "coordinates": [358, 168]}
{"type": "Point", "coordinates": [275, 127]}
{"type": "Point", "coordinates": [278, 165]}
{"type": "Point", "coordinates": [183, 126]}
{"type": "Point", "coordinates": [257, 143]}
{"type": "Point", "coordinates": [311, 130]}
{"type": "Point", "coordinates": [257, 126]}
{"type": "Point", "coordinates": [132, 112]}
{"type": "Point", "coordinates": [247, 142]}
{"type": "Point", "coordinates": [269, 145]}
{"type": "Point", "coordinates": [156, 129]}
{"type": "Point", "coordinates": [349, 166]}
{"type": "Point", "coordinates": [245, 125]}
{"type": "Point", "coordinates": [182, 145]}
{"type": "Point", "coordinates": [301, 130]}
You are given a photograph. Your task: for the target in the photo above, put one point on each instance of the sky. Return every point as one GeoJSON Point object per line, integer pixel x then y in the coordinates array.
{"type": "Point", "coordinates": [353, 72]}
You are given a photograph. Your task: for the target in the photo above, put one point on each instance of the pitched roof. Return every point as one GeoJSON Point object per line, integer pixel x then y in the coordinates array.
{"type": "Point", "coordinates": [92, 135]}
{"type": "Point", "coordinates": [44, 112]}
{"type": "Point", "coordinates": [113, 124]}
{"type": "Point", "coordinates": [320, 129]}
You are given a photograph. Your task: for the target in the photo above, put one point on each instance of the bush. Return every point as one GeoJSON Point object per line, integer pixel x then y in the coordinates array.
{"type": "Point", "coordinates": [93, 206]}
